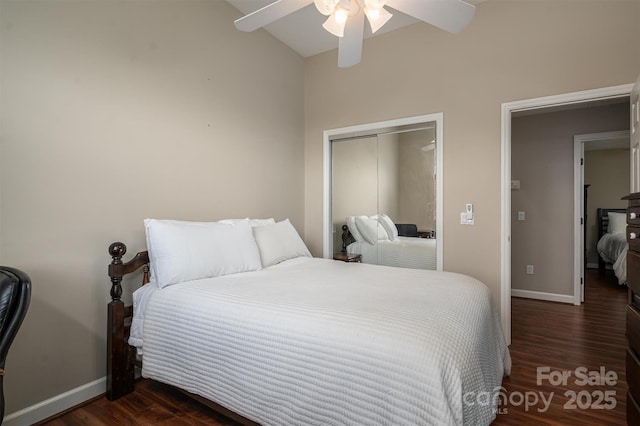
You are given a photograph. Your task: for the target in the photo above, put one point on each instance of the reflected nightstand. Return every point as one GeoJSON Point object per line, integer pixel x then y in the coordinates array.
{"type": "Point", "coordinates": [345, 257]}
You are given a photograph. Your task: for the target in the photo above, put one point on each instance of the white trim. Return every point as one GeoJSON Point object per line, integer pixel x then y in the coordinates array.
{"type": "Point", "coordinates": [578, 207]}
{"type": "Point", "coordinates": [505, 240]}
{"type": "Point", "coordinates": [327, 226]}
{"type": "Point", "coordinates": [505, 202]}
{"type": "Point", "coordinates": [327, 135]}
{"type": "Point", "coordinates": [57, 404]}
{"type": "Point", "coordinates": [540, 295]}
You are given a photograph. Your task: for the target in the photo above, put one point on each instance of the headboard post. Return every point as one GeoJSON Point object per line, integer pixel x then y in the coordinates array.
{"type": "Point", "coordinates": [116, 250]}
{"type": "Point", "coordinates": [120, 368]}
{"type": "Point", "coordinates": [119, 374]}
{"type": "Point", "coordinates": [345, 237]}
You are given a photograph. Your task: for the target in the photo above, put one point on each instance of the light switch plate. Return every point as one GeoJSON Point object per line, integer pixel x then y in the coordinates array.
{"type": "Point", "coordinates": [464, 220]}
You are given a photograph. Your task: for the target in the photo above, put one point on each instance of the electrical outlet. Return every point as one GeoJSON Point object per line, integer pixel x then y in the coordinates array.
{"type": "Point", "coordinates": [529, 269]}
{"type": "Point", "coordinates": [521, 215]}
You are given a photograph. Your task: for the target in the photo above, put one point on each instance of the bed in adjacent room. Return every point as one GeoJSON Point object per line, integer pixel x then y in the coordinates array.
{"type": "Point", "coordinates": [612, 243]}
{"type": "Point", "coordinates": [240, 314]}
{"type": "Point", "coordinates": [377, 239]}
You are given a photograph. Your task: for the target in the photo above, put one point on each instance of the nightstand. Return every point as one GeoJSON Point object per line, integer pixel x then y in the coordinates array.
{"type": "Point", "coordinates": [345, 257]}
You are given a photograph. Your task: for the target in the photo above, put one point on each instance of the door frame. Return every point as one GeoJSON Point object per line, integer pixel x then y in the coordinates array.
{"type": "Point", "coordinates": [508, 108]}
{"type": "Point", "coordinates": [578, 205]}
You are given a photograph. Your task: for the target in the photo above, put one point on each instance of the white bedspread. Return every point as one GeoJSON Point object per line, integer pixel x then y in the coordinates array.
{"type": "Point", "coordinates": [321, 342]}
{"type": "Point", "coordinates": [404, 252]}
{"type": "Point", "coordinates": [613, 249]}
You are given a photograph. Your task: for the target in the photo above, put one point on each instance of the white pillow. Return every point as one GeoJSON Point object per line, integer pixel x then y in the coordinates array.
{"type": "Point", "coordinates": [617, 223]}
{"type": "Point", "coordinates": [183, 251]}
{"type": "Point", "coordinates": [351, 224]}
{"type": "Point", "coordinates": [389, 226]}
{"type": "Point", "coordinates": [370, 229]}
{"type": "Point", "coordinates": [279, 242]}
{"type": "Point", "coordinates": [252, 222]}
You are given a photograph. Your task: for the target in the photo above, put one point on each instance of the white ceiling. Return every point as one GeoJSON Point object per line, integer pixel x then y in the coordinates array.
{"type": "Point", "coordinates": [302, 31]}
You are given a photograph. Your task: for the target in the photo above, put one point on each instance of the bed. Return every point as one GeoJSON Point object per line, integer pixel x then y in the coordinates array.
{"type": "Point", "coordinates": [301, 340]}
{"type": "Point", "coordinates": [612, 243]}
{"type": "Point", "coordinates": [378, 240]}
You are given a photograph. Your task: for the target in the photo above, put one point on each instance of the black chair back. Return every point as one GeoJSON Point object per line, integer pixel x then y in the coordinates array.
{"type": "Point", "coordinates": [407, 229]}
{"type": "Point", "coordinates": [15, 295]}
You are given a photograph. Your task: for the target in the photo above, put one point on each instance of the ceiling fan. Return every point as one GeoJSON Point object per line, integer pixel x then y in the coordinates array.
{"type": "Point", "coordinates": [346, 18]}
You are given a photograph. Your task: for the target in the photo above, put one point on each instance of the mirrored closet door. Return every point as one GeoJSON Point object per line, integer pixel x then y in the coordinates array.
{"type": "Point", "coordinates": [384, 196]}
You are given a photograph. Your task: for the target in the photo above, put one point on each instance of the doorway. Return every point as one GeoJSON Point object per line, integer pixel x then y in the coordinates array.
{"type": "Point", "coordinates": [601, 179]}
{"type": "Point", "coordinates": [508, 109]}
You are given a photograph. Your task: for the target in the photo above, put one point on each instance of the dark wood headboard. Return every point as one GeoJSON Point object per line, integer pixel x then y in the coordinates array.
{"type": "Point", "coordinates": [347, 238]}
{"type": "Point", "coordinates": [121, 358]}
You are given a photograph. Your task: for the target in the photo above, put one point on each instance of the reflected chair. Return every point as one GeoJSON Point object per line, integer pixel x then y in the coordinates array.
{"type": "Point", "coordinates": [15, 294]}
{"type": "Point", "coordinates": [407, 229]}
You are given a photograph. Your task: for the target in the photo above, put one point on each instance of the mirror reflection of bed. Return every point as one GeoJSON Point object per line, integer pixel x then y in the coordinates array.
{"type": "Point", "coordinates": [381, 241]}
{"type": "Point", "coordinates": [612, 243]}
{"type": "Point", "coordinates": [384, 197]}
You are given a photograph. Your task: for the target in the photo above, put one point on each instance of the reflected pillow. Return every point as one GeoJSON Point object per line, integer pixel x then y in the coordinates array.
{"type": "Point", "coordinates": [617, 223]}
{"type": "Point", "coordinates": [389, 226]}
{"type": "Point", "coordinates": [183, 251]}
{"type": "Point", "coordinates": [351, 224]}
{"type": "Point", "coordinates": [370, 229]}
{"type": "Point", "coordinates": [279, 242]}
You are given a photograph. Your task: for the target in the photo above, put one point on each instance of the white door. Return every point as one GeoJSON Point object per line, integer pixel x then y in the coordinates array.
{"type": "Point", "coordinates": [635, 137]}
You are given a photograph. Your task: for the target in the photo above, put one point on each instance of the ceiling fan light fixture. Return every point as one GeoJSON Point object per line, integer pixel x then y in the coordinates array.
{"type": "Point", "coordinates": [334, 25]}
{"type": "Point", "coordinates": [326, 7]}
{"type": "Point", "coordinates": [345, 18]}
{"type": "Point", "coordinates": [374, 4]}
{"type": "Point", "coordinates": [377, 17]}
{"type": "Point", "coordinates": [340, 15]}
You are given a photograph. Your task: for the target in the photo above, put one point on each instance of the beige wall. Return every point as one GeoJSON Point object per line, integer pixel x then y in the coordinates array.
{"type": "Point", "coordinates": [116, 111]}
{"type": "Point", "coordinates": [607, 173]}
{"type": "Point", "coordinates": [542, 152]}
{"type": "Point", "coordinates": [512, 50]}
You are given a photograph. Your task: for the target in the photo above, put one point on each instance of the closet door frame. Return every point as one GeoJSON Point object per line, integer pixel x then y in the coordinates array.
{"type": "Point", "coordinates": [331, 134]}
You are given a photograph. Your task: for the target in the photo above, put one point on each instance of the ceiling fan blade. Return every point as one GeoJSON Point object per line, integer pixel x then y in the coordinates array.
{"type": "Point", "coordinates": [449, 15]}
{"type": "Point", "coordinates": [350, 45]}
{"type": "Point", "coordinates": [270, 13]}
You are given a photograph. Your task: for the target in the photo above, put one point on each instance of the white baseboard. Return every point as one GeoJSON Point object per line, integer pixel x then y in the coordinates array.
{"type": "Point", "coordinates": [57, 404]}
{"type": "Point", "coordinates": [552, 297]}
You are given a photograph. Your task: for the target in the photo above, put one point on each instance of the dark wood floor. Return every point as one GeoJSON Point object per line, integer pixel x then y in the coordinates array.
{"type": "Point", "coordinates": [544, 334]}
{"type": "Point", "coordinates": [564, 338]}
